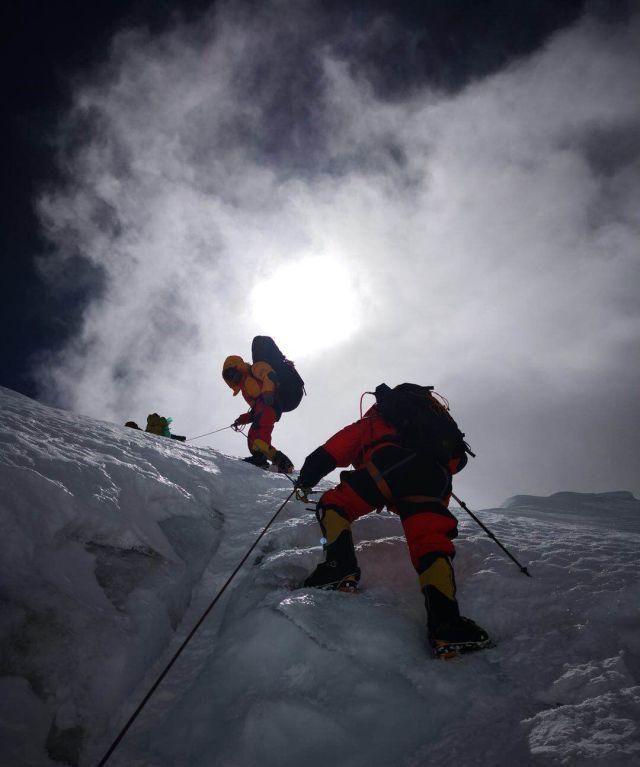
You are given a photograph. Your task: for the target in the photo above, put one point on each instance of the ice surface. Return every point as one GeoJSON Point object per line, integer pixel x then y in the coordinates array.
{"type": "Point", "coordinates": [113, 543]}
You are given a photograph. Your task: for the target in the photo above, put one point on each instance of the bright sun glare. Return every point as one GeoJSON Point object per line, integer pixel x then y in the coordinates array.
{"type": "Point", "coordinates": [307, 305]}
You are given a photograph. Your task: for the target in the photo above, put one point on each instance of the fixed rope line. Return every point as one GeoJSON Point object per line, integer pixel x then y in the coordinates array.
{"type": "Point", "coordinates": [176, 655]}
{"type": "Point", "coordinates": [491, 535]}
{"type": "Point", "coordinates": [207, 433]}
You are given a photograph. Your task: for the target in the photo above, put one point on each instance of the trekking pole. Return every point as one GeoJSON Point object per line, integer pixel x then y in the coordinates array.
{"type": "Point", "coordinates": [209, 432]}
{"type": "Point", "coordinates": [464, 506]}
{"type": "Point", "coordinates": [176, 655]}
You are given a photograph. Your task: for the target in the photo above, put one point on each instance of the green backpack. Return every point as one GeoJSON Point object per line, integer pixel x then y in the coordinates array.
{"type": "Point", "coordinates": [159, 425]}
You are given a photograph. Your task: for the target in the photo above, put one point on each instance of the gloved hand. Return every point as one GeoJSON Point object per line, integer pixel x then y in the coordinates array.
{"type": "Point", "coordinates": [241, 420]}
{"type": "Point", "coordinates": [302, 493]}
{"type": "Point", "coordinates": [302, 489]}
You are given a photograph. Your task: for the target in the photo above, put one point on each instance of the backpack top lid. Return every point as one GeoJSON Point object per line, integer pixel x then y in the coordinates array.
{"type": "Point", "coordinates": [265, 349]}
{"type": "Point", "coordinates": [422, 421]}
{"type": "Point", "coordinates": [290, 387]}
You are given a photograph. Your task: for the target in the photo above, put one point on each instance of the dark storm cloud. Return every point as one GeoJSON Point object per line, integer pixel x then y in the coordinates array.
{"type": "Point", "coordinates": [399, 47]}
{"type": "Point", "coordinates": [394, 49]}
{"type": "Point", "coordinates": [487, 225]}
{"type": "Point", "coordinates": [609, 151]}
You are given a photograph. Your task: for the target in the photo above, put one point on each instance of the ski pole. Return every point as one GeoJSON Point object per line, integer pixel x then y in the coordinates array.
{"type": "Point", "coordinates": [209, 432]}
{"type": "Point", "coordinates": [176, 655]}
{"type": "Point", "coordinates": [464, 506]}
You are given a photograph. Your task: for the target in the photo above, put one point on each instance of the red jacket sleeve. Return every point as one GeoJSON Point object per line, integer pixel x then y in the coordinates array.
{"type": "Point", "coordinates": [346, 446]}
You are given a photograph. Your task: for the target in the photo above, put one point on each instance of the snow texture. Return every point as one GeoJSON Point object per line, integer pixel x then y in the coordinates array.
{"type": "Point", "coordinates": [113, 542]}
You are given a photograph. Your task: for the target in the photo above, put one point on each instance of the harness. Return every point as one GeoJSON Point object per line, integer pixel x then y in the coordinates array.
{"type": "Point", "coordinates": [379, 478]}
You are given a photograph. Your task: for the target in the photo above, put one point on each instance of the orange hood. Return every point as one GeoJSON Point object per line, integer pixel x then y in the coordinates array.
{"type": "Point", "coordinates": [239, 364]}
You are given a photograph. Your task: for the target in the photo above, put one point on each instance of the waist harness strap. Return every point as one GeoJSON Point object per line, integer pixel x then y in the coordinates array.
{"type": "Point", "coordinates": [379, 478]}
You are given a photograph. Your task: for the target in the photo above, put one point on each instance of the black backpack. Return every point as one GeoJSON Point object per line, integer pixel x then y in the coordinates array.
{"type": "Point", "coordinates": [290, 384]}
{"type": "Point", "coordinates": [423, 422]}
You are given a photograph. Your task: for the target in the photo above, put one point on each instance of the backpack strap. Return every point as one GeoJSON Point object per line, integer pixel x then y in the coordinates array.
{"type": "Point", "coordinates": [378, 477]}
{"type": "Point", "coordinates": [388, 439]}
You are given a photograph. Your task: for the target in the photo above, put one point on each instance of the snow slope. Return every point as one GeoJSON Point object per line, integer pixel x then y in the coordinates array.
{"type": "Point", "coordinates": [113, 543]}
{"type": "Point", "coordinates": [106, 535]}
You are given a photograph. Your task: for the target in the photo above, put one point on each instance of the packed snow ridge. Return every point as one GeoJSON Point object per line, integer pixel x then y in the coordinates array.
{"type": "Point", "coordinates": [113, 542]}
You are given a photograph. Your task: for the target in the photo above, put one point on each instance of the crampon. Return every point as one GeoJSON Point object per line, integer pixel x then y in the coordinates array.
{"type": "Point", "coordinates": [348, 585]}
{"type": "Point", "coordinates": [443, 650]}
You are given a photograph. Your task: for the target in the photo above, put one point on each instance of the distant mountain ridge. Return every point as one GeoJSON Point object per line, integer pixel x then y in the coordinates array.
{"type": "Point", "coordinates": [574, 501]}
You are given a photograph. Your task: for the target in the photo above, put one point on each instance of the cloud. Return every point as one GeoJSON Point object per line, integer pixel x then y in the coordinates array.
{"type": "Point", "coordinates": [491, 234]}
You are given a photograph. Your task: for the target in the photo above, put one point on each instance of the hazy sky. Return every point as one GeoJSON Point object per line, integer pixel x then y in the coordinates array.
{"type": "Point", "coordinates": [245, 173]}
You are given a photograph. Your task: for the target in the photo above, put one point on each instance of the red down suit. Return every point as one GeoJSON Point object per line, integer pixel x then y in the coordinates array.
{"type": "Point", "coordinates": [386, 473]}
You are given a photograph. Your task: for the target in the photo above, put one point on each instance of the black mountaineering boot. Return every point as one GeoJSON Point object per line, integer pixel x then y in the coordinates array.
{"type": "Point", "coordinates": [257, 459]}
{"type": "Point", "coordinates": [450, 633]}
{"type": "Point", "coordinates": [282, 463]}
{"type": "Point", "coordinates": [340, 571]}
